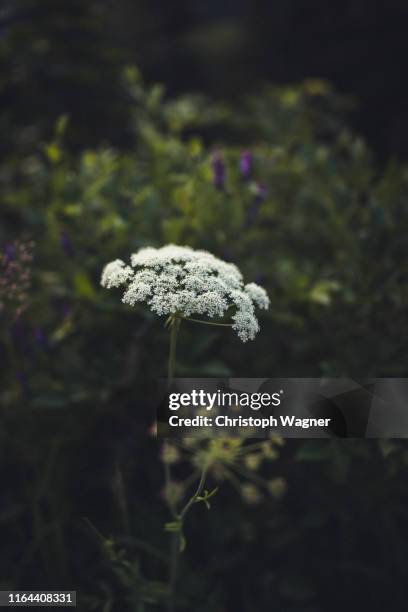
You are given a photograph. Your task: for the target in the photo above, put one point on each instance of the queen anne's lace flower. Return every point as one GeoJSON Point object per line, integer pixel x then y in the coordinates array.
{"type": "Point", "coordinates": [115, 274]}
{"type": "Point", "coordinates": [258, 295]}
{"type": "Point", "coordinates": [179, 280]}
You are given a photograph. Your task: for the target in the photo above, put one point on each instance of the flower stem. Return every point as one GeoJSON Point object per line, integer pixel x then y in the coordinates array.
{"type": "Point", "coordinates": [174, 323]}
{"type": "Point", "coordinates": [176, 540]}
{"type": "Point", "coordinates": [174, 328]}
{"type": "Point", "coordinates": [197, 494]}
{"type": "Point", "coordinates": [208, 322]}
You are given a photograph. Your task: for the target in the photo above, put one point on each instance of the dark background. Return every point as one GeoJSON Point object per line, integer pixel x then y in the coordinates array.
{"type": "Point", "coordinates": [66, 57]}
{"type": "Point", "coordinates": [82, 483]}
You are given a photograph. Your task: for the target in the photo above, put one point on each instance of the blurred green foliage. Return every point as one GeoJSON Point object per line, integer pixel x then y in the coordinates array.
{"type": "Point", "coordinates": [67, 56]}
{"type": "Point", "coordinates": [322, 229]}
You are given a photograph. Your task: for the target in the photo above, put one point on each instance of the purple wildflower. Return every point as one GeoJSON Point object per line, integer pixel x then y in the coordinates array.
{"type": "Point", "coordinates": [245, 164]}
{"type": "Point", "coordinates": [218, 167]}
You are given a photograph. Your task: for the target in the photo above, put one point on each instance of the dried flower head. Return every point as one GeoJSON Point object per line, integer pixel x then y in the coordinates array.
{"type": "Point", "coordinates": [179, 280]}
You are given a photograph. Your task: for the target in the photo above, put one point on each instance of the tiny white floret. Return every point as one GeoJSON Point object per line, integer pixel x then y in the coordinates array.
{"type": "Point", "coordinates": [115, 274]}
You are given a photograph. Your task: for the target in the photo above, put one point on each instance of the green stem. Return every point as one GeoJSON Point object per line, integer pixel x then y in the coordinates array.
{"type": "Point", "coordinates": [208, 322]}
{"type": "Point", "coordinates": [175, 324]}
{"type": "Point", "coordinates": [174, 327]}
{"type": "Point", "coordinates": [176, 536]}
{"type": "Point", "coordinates": [176, 540]}
{"type": "Point", "coordinates": [197, 494]}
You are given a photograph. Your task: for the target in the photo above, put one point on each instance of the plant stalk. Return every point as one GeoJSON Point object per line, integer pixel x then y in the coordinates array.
{"type": "Point", "coordinates": [175, 324]}
{"type": "Point", "coordinates": [176, 536]}
{"type": "Point", "coordinates": [176, 540]}
{"type": "Point", "coordinates": [208, 322]}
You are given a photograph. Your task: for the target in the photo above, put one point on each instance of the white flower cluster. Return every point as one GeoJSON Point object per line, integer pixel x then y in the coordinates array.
{"type": "Point", "coordinates": [176, 279]}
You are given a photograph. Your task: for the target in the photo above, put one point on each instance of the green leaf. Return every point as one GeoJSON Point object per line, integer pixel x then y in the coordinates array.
{"type": "Point", "coordinates": [63, 330]}
{"type": "Point", "coordinates": [173, 526]}
{"type": "Point", "coordinates": [206, 496]}
{"type": "Point", "coordinates": [321, 292]}
{"type": "Point", "coordinates": [83, 286]}
{"type": "Point", "coordinates": [61, 125]}
{"type": "Point", "coordinates": [73, 210]}
{"type": "Point", "coordinates": [53, 152]}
